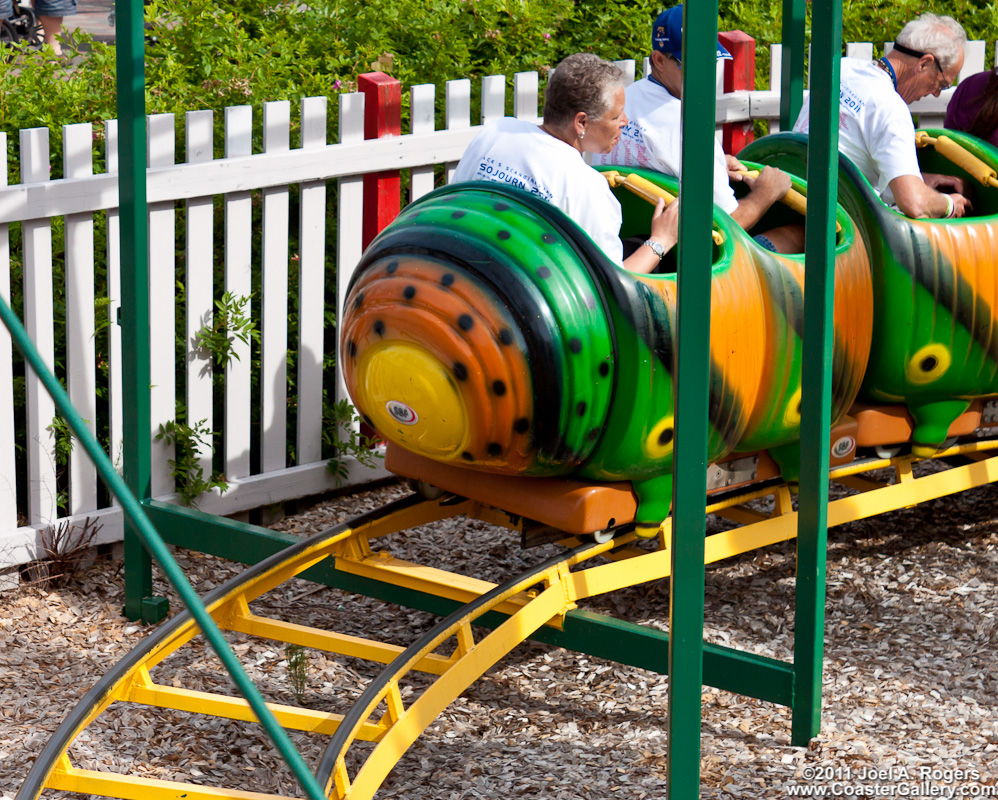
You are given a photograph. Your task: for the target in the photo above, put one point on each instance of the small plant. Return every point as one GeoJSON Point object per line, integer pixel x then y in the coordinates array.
{"type": "Point", "coordinates": [347, 441]}
{"type": "Point", "coordinates": [64, 441]}
{"type": "Point", "coordinates": [228, 325]}
{"type": "Point", "coordinates": [66, 549]}
{"type": "Point", "coordinates": [63, 450]}
{"type": "Point", "coordinates": [188, 474]}
{"type": "Point", "coordinates": [298, 666]}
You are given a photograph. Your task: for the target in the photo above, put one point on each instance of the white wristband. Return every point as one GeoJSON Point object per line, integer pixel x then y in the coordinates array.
{"type": "Point", "coordinates": [950, 207]}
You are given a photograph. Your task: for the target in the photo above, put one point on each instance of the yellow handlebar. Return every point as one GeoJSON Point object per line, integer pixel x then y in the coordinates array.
{"type": "Point", "coordinates": [792, 199]}
{"type": "Point", "coordinates": [647, 190]}
{"type": "Point", "coordinates": [959, 155]}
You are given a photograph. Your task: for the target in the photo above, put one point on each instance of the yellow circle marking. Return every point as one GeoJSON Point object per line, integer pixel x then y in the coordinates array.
{"type": "Point", "coordinates": [791, 412]}
{"type": "Point", "coordinates": [660, 440]}
{"type": "Point", "coordinates": [928, 364]}
{"type": "Point", "coordinates": [412, 399]}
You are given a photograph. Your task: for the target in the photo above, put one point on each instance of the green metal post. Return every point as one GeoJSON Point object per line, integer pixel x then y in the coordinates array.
{"type": "Point", "coordinates": [695, 257]}
{"type": "Point", "coordinates": [134, 320]}
{"type": "Point", "coordinates": [155, 545]}
{"type": "Point", "coordinates": [792, 63]}
{"type": "Point", "coordinates": [819, 255]}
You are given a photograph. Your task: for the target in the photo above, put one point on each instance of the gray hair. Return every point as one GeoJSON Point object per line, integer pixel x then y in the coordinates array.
{"type": "Point", "coordinates": [581, 82]}
{"type": "Point", "coordinates": [944, 37]}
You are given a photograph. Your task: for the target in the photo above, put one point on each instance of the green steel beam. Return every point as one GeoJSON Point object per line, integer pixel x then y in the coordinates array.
{"type": "Point", "coordinates": [819, 257]}
{"type": "Point", "coordinates": [601, 636]}
{"type": "Point", "coordinates": [792, 63]}
{"type": "Point", "coordinates": [154, 544]}
{"type": "Point", "coordinates": [134, 244]}
{"type": "Point", "coordinates": [596, 635]}
{"type": "Point", "coordinates": [218, 536]}
{"type": "Point", "coordinates": [693, 352]}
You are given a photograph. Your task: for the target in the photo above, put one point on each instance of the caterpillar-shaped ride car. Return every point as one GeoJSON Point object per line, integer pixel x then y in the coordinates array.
{"type": "Point", "coordinates": [485, 330]}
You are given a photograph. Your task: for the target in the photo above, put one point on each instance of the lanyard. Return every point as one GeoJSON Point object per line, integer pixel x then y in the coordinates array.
{"type": "Point", "coordinates": [885, 65]}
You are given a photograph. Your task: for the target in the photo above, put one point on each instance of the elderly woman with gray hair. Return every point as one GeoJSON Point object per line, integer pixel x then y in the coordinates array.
{"type": "Point", "coordinates": [583, 113]}
{"type": "Point", "coordinates": [875, 126]}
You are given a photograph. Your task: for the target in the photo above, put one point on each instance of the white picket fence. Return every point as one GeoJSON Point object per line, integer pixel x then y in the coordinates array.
{"type": "Point", "coordinates": [81, 194]}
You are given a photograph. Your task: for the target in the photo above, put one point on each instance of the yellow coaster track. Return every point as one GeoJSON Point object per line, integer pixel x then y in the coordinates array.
{"type": "Point", "coordinates": [543, 595]}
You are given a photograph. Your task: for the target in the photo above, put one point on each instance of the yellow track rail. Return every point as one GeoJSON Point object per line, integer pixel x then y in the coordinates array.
{"type": "Point", "coordinates": [540, 597]}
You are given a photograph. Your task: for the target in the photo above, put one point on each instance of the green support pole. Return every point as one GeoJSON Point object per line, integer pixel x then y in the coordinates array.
{"type": "Point", "coordinates": [693, 350]}
{"type": "Point", "coordinates": [792, 63]}
{"type": "Point", "coordinates": [134, 319]}
{"type": "Point", "coordinates": [154, 544]}
{"type": "Point", "coordinates": [819, 295]}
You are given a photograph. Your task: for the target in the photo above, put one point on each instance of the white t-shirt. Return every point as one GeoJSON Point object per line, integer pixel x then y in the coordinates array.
{"type": "Point", "coordinates": [875, 126]}
{"type": "Point", "coordinates": [521, 154]}
{"type": "Point", "coordinates": [653, 139]}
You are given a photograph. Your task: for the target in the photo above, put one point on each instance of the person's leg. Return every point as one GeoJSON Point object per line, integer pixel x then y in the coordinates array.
{"type": "Point", "coordinates": [51, 27]}
{"type": "Point", "coordinates": [6, 9]}
{"type": "Point", "coordinates": [50, 14]}
{"type": "Point", "coordinates": [784, 239]}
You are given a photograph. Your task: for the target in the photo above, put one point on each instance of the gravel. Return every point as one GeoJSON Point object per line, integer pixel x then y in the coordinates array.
{"type": "Point", "coordinates": [909, 696]}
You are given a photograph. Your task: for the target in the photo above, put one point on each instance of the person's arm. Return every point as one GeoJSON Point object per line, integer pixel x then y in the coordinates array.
{"type": "Point", "coordinates": [769, 187]}
{"type": "Point", "coordinates": [947, 183]}
{"type": "Point", "coordinates": [917, 200]}
{"type": "Point", "coordinates": [664, 230]}
{"type": "Point", "coordinates": [890, 134]}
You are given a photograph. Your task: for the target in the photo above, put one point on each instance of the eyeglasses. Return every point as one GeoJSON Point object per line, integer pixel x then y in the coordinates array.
{"type": "Point", "coordinates": [939, 67]}
{"type": "Point", "coordinates": [673, 58]}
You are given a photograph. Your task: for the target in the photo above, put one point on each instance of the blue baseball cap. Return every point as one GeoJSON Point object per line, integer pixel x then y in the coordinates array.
{"type": "Point", "coordinates": [667, 34]}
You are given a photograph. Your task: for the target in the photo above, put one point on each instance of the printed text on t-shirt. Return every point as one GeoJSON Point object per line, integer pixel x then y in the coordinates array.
{"type": "Point", "coordinates": [491, 169]}
{"type": "Point", "coordinates": [849, 101]}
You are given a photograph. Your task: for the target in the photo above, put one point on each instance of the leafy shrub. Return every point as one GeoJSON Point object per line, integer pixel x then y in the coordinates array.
{"type": "Point", "coordinates": [188, 474]}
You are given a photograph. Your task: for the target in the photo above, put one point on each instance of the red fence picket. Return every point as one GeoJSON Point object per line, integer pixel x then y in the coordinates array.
{"type": "Point", "coordinates": [739, 75]}
{"type": "Point", "coordinates": [382, 117]}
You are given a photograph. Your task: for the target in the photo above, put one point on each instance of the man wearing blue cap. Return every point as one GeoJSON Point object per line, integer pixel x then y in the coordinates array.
{"type": "Point", "coordinates": [653, 136]}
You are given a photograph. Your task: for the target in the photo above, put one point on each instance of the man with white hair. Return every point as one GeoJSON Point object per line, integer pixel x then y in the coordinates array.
{"type": "Point", "coordinates": [875, 127]}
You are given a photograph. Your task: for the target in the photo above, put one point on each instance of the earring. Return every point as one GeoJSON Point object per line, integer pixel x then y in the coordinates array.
{"type": "Point", "coordinates": [582, 135]}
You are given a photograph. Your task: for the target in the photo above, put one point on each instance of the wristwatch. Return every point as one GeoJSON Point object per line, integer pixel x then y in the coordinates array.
{"type": "Point", "coordinates": [656, 248]}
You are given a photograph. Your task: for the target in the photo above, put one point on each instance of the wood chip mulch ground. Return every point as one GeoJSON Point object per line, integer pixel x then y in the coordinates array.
{"type": "Point", "coordinates": [910, 683]}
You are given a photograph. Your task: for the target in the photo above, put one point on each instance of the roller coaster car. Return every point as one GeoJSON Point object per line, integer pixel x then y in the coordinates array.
{"type": "Point", "coordinates": [935, 289]}
{"type": "Point", "coordinates": [486, 332]}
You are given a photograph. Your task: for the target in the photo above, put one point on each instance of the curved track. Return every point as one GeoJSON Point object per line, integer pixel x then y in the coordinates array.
{"type": "Point", "coordinates": [131, 680]}
{"type": "Point", "coordinates": [392, 717]}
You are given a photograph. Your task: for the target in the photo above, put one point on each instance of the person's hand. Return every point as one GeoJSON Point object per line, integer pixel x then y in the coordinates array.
{"type": "Point", "coordinates": [772, 183]}
{"type": "Point", "coordinates": [665, 223]}
{"type": "Point", "coordinates": [947, 183]}
{"type": "Point", "coordinates": [664, 230]}
{"type": "Point", "coordinates": [961, 205]}
{"type": "Point", "coordinates": [735, 168]}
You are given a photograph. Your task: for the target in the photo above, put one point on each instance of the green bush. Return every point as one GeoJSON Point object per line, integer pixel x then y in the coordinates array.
{"type": "Point", "coordinates": [232, 52]}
